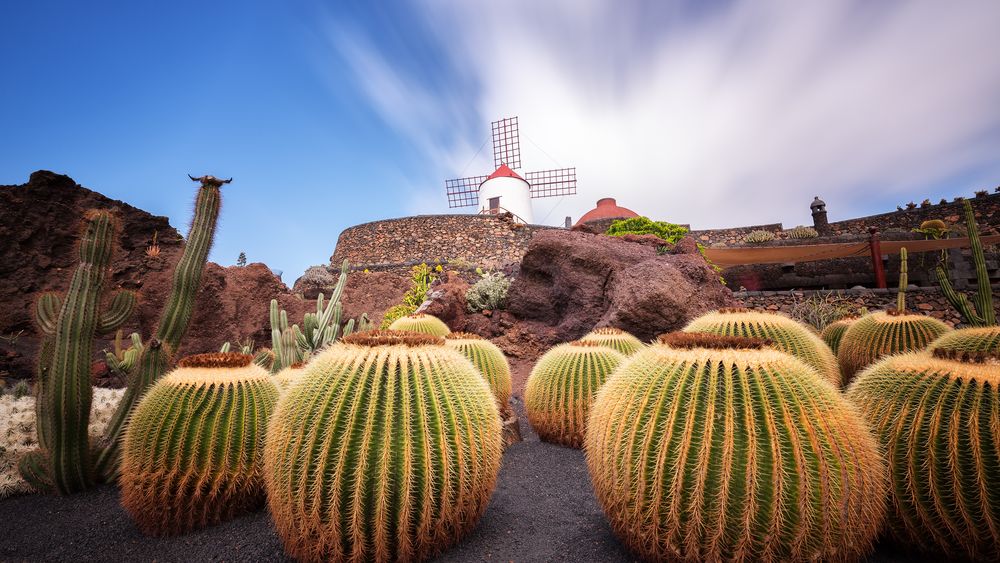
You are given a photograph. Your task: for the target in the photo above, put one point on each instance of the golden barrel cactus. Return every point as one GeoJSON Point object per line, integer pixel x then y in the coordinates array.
{"type": "Point", "coordinates": [885, 333]}
{"type": "Point", "coordinates": [615, 338]}
{"type": "Point", "coordinates": [561, 388]}
{"type": "Point", "coordinates": [489, 360]}
{"type": "Point", "coordinates": [717, 448]}
{"type": "Point", "coordinates": [937, 414]}
{"type": "Point", "coordinates": [787, 335]}
{"type": "Point", "coordinates": [833, 333]}
{"type": "Point", "coordinates": [422, 323]}
{"type": "Point", "coordinates": [288, 376]}
{"type": "Point", "coordinates": [192, 455]}
{"type": "Point", "coordinates": [387, 449]}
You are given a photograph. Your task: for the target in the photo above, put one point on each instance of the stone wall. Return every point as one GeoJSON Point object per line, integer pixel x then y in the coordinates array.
{"type": "Point", "coordinates": [482, 240]}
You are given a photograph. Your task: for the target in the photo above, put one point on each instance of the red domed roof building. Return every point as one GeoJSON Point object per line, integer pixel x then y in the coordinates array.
{"type": "Point", "coordinates": [606, 210]}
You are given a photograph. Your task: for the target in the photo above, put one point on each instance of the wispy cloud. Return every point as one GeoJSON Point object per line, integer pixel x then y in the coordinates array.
{"type": "Point", "coordinates": [730, 115]}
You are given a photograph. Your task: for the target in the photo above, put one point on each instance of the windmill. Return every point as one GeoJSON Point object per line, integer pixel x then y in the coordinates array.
{"type": "Point", "coordinates": [504, 190]}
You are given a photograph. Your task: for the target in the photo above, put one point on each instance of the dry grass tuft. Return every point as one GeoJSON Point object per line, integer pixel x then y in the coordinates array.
{"type": "Point", "coordinates": [392, 338]}
{"type": "Point", "coordinates": [219, 360]}
{"type": "Point", "coordinates": [692, 340]}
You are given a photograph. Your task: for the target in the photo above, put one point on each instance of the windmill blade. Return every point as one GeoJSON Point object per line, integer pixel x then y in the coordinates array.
{"type": "Point", "coordinates": [506, 143]}
{"type": "Point", "coordinates": [552, 183]}
{"type": "Point", "coordinates": [463, 192]}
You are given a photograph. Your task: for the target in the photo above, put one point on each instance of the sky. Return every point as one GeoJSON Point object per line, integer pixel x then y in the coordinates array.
{"type": "Point", "coordinates": [329, 114]}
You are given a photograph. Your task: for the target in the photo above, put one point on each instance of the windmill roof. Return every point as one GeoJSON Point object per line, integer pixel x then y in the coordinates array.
{"type": "Point", "coordinates": [504, 170]}
{"type": "Point", "coordinates": [607, 208]}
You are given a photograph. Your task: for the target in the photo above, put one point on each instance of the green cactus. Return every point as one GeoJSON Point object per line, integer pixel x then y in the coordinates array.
{"type": "Point", "coordinates": [422, 323]}
{"type": "Point", "coordinates": [562, 386]}
{"type": "Point", "coordinates": [158, 351]}
{"type": "Point", "coordinates": [122, 360]}
{"type": "Point", "coordinates": [801, 232]}
{"type": "Point", "coordinates": [193, 450]}
{"type": "Point", "coordinates": [713, 448]}
{"type": "Point", "coordinates": [937, 414]}
{"type": "Point", "coordinates": [980, 312]}
{"type": "Point", "coordinates": [288, 376]}
{"type": "Point", "coordinates": [615, 338]}
{"type": "Point", "coordinates": [833, 333]}
{"type": "Point", "coordinates": [388, 448]}
{"type": "Point", "coordinates": [64, 462]}
{"type": "Point", "coordinates": [489, 360]}
{"type": "Point", "coordinates": [882, 334]}
{"type": "Point", "coordinates": [788, 335]}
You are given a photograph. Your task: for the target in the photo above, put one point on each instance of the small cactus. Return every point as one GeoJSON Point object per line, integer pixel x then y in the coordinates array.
{"type": "Point", "coordinates": [712, 448]}
{"type": "Point", "coordinates": [936, 413]}
{"type": "Point", "coordinates": [801, 232]}
{"type": "Point", "coordinates": [489, 360]}
{"type": "Point", "coordinates": [788, 335]}
{"type": "Point", "coordinates": [193, 450]}
{"type": "Point", "coordinates": [562, 386]}
{"type": "Point", "coordinates": [422, 323]}
{"type": "Point", "coordinates": [615, 338]}
{"type": "Point", "coordinates": [758, 236]}
{"type": "Point", "coordinates": [882, 334]}
{"type": "Point", "coordinates": [834, 332]}
{"type": "Point", "coordinates": [388, 448]}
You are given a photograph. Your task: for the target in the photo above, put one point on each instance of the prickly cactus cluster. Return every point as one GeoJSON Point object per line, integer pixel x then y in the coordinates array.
{"type": "Point", "coordinates": [614, 338]}
{"type": "Point", "coordinates": [420, 322]}
{"type": "Point", "coordinates": [882, 334]}
{"type": "Point", "coordinates": [489, 360]}
{"type": "Point", "coordinates": [833, 333]}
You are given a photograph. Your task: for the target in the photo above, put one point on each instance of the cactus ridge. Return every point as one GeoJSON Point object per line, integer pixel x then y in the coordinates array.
{"type": "Point", "coordinates": [562, 386]}
{"type": "Point", "coordinates": [733, 454]}
{"type": "Point", "coordinates": [882, 334]}
{"type": "Point", "coordinates": [385, 452]}
{"type": "Point", "coordinates": [489, 360]}
{"type": "Point", "coordinates": [939, 421]}
{"type": "Point", "coordinates": [420, 322]}
{"type": "Point", "coordinates": [288, 376]}
{"type": "Point", "coordinates": [193, 449]}
{"type": "Point", "coordinates": [787, 335]}
{"type": "Point", "coordinates": [615, 338]}
{"type": "Point", "coordinates": [833, 333]}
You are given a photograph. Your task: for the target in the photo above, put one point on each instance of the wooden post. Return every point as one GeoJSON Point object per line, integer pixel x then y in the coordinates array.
{"type": "Point", "coordinates": [876, 248]}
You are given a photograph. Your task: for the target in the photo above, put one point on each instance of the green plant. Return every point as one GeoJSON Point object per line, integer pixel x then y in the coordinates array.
{"type": "Point", "coordinates": [833, 333]}
{"type": "Point", "coordinates": [394, 473]}
{"type": "Point", "coordinates": [395, 312]}
{"type": "Point", "coordinates": [64, 463]}
{"type": "Point", "coordinates": [788, 336]}
{"type": "Point", "coordinates": [707, 449]}
{"type": "Point", "coordinates": [21, 390]}
{"type": "Point", "coordinates": [615, 338]}
{"type": "Point", "coordinates": [489, 360]}
{"type": "Point", "coordinates": [881, 334]}
{"type": "Point", "coordinates": [980, 311]}
{"type": "Point", "coordinates": [646, 226]}
{"type": "Point", "coordinates": [193, 450]}
{"type": "Point", "coordinates": [936, 416]}
{"type": "Point", "coordinates": [758, 236]}
{"type": "Point", "coordinates": [421, 278]}
{"type": "Point", "coordinates": [241, 260]}
{"type": "Point", "coordinates": [422, 323]}
{"type": "Point", "coordinates": [489, 293]}
{"type": "Point", "coordinates": [933, 228]}
{"type": "Point", "coordinates": [562, 386]}
{"type": "Point", "coordinates": [715, 267]}
{"type": "Point", "coordinates": [122, 360]}
{"type": "Point", "coordinates": [820, 309]}
{"type": "Point", "coordinates": [801, 232]}
{"type": "Point", "coordinates": [157, 353]}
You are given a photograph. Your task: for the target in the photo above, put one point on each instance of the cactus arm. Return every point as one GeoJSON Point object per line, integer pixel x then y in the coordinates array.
{"type": "Point", "coordinates": [118, 311]}
{"type": "Point", "coordinates": [903, 280]}
{"type": "Point", "coordinates": [958, 300]}
{"type": "Point", "coordinates": [983, 299]}
{"type": "Point", "coordinates": [47, 312]}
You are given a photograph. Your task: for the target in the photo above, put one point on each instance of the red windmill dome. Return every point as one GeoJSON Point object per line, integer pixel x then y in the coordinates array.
{"type": "Point", "coordinates": [607, 208]}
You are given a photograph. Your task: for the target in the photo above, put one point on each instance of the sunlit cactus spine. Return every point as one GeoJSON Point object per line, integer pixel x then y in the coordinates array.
{"type": "Point", "coordinates": [64, 463]}
{"type": "Point", "coordinates": [615, 338]}
{"type": "Point", "coordinates": [288, 376]}
{"type": "Point", "coordinates": [713, 448]}
{"type": "Point", "coordinates": [422, 323]}
{"type": "Point", "coordinates": [980, 312]}
{"type": "Point", "coordinates": [404, 461]}
{"type": "Point", "coordinates": [489, 360]}
{"type": "Point", "coordinates": [193, 449]}
{"type": "Point", "coordinates": [937, 413]}
{"type": "Point", "coordinates": [788, 335]}
{"type": "Point", "coordinates": [833, 333]}
{"type": "Point", "coordinates": [562, 386]}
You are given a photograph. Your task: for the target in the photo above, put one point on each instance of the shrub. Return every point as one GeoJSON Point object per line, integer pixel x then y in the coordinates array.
{"type": "Point", "coordinates": [395, 312]}
{"type": "Point", "coordinates": [756, 237]}
{"type": "Point", "coordinates": [646, 226]}
{"type": "Point", "coordinates": [21, 390]}
{"type": "Point", "coordinates": [801, 232]}
{"type": "Point", "coordinates": [820, 309]}
{"type": "Point", "coordinates": [490, 292]}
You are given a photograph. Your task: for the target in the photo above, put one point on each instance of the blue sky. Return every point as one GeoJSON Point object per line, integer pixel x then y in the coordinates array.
{"type": "Point", "coordinates": [329, 114]}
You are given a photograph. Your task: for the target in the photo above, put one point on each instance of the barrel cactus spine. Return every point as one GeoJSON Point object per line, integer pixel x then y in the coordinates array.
{"type": "Point", "coordinates": [489, 360]}
{"type": "Point", "coordinates": [937, 413]}
{"type": "Point", "coordinates": [405, 461]}
{"type": "Point", "coordinates": [562, 386]}
{"type": "Point", "coordinates": [288, 376]}
{"type": "Point", "coordinates": [787, 334]}
{"type": "Point", "coordinates": [421, 322]}
{"type": "Point", "coordinates": [64, 463]}
{"type": "Point", "coordinates": [708, 447]}
{"type": "Point", "coordinates": [833, 333]}
{"type": "Point", "coordinates": [213, 411]}
{"type": "Point", "coordinates": [615, 338]}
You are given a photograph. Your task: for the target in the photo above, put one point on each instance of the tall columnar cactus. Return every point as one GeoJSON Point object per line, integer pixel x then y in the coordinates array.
{"type": "Point", "coordinates": [64, 462]}
{"type": "Point", "coordinates": [937, 414]}
{"type": "Point", "coordinates": [157, 354]}
{"type": "Point", "coordinates": [193, 450]}
{"type": "Point", "coordinates": [489, 360]}
{"type": "Point", "coordinates": [980, 312]}
{"type": "Point", "coordinates": [403, 461]}
{"type": "Point", "coordinates": [615, 338]}
{"type": "Point", "coordinates": [712, 448]}
{"type": "Point", "coordinates": [562, 386]}
{"type": "Point", "coordinates": [833, 333]}
{"type": "Point", "coordinates": [421, 322]}
{"type": "Point", "coordinates": [787, 335]}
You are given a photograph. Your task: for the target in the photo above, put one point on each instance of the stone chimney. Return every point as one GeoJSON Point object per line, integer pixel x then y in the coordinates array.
{"type": "Point", "coordinates": [820, 223]}
{"type": "Point", "coordinates": [569, 222]}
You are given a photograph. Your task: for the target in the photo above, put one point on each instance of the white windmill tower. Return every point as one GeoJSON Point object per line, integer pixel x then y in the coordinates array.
{"type": "Point", "coordinates": [505, 191]}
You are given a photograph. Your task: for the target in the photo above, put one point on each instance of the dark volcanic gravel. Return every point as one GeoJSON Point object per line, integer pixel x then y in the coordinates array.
{"type": "Point", "coordinates": [543, 509]}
